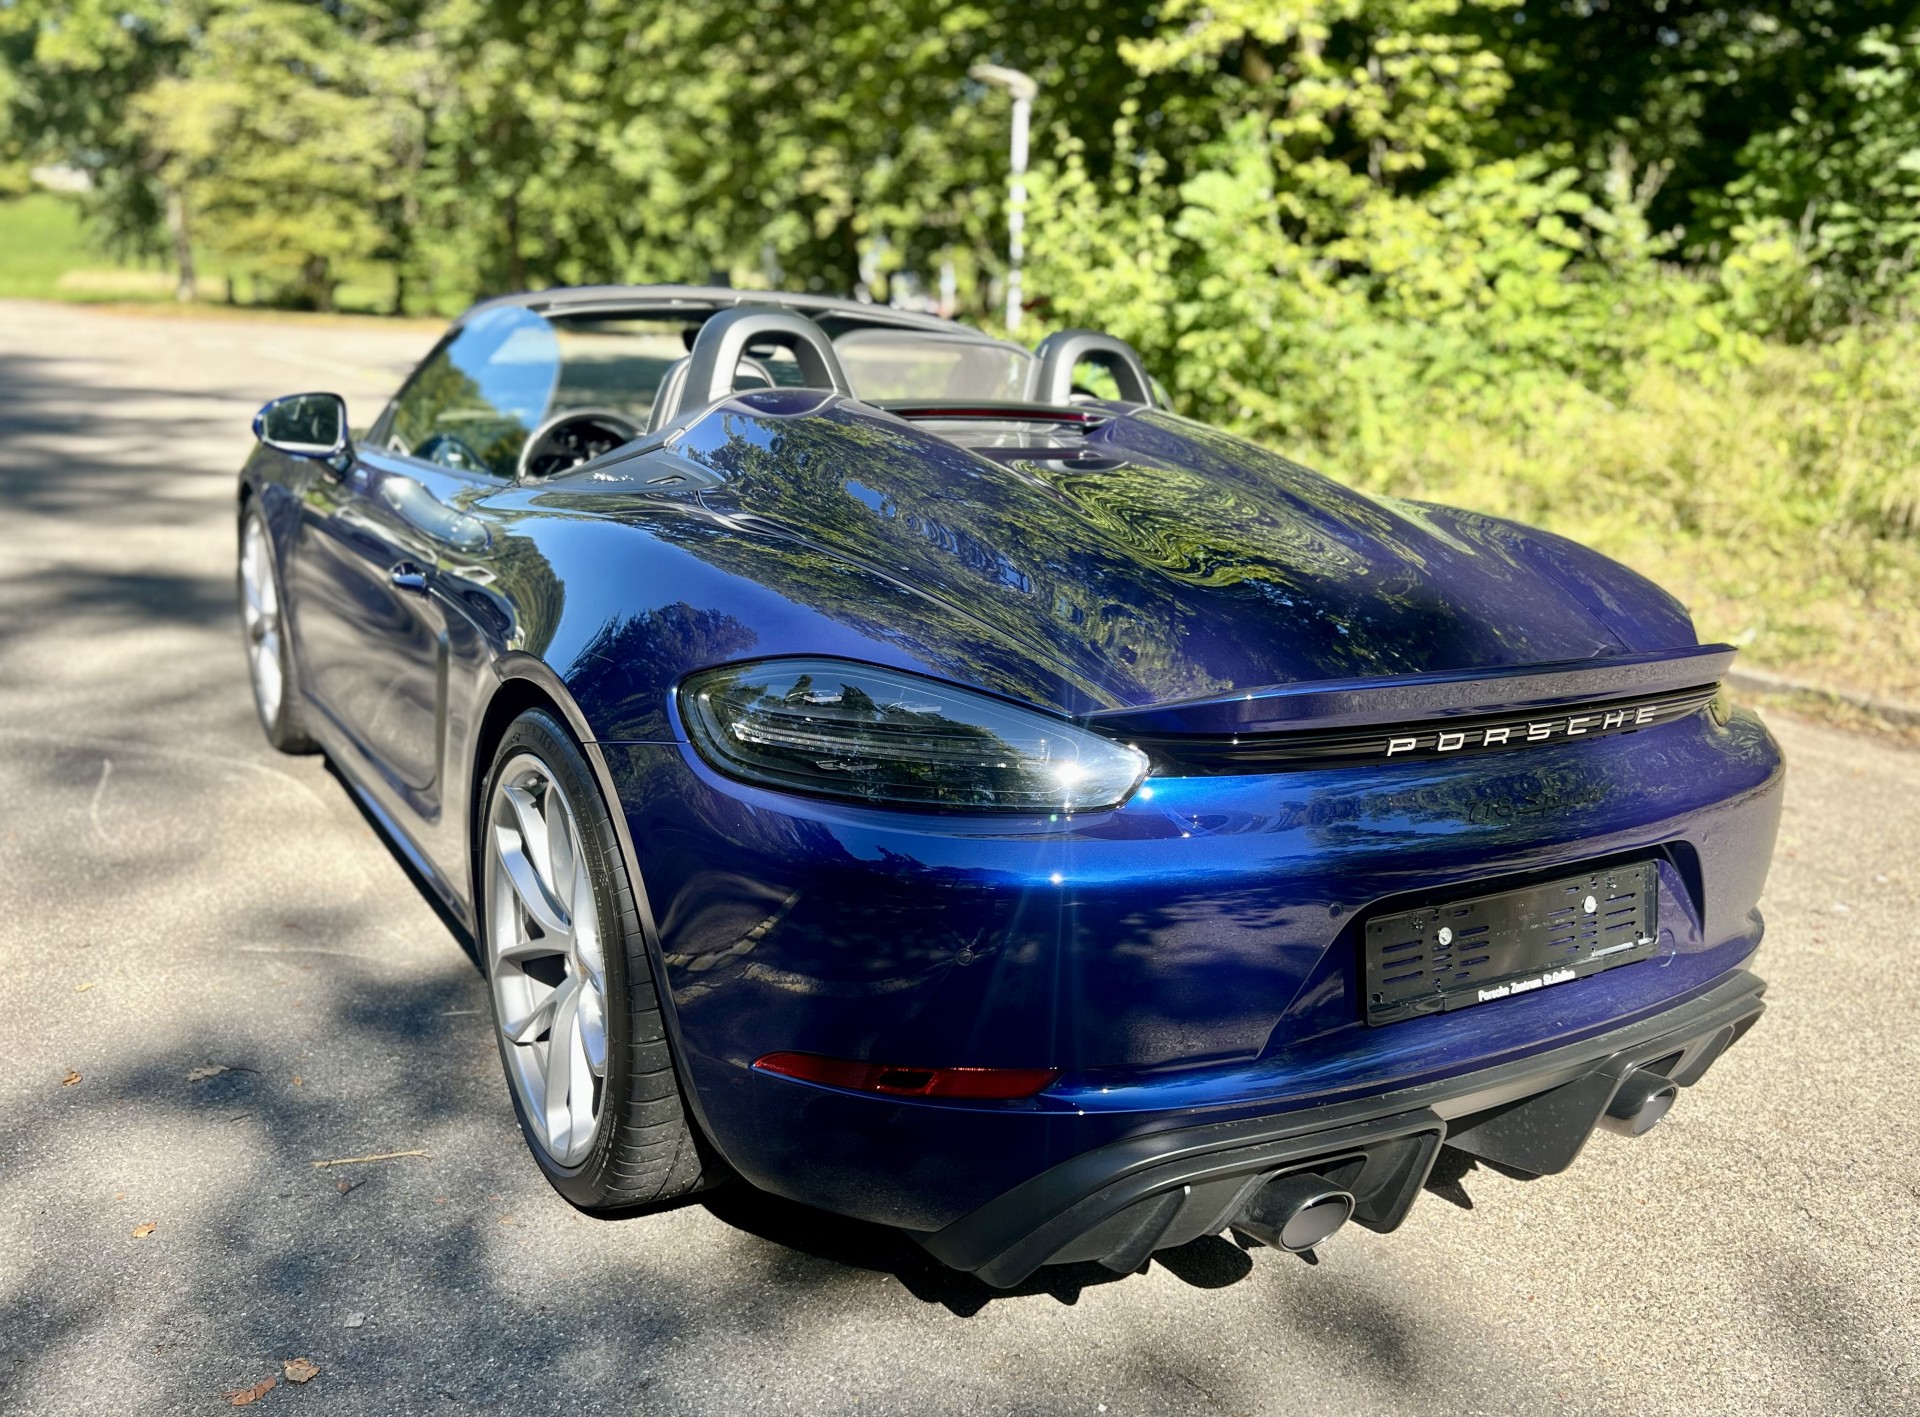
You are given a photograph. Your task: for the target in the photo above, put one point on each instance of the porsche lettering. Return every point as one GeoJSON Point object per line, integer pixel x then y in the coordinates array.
{"type": "Point", "coordinates": [1537, 731]}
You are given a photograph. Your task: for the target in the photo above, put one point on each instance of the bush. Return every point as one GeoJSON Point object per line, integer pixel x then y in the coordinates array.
{"type": "Point", "coordinates": [1506, 344]}
{"type": "Point", "coordinates": [1778, 497]}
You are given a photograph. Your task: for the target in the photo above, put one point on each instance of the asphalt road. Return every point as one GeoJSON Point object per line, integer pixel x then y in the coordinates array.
{"type": "Point", "coordinates": [174, 898]}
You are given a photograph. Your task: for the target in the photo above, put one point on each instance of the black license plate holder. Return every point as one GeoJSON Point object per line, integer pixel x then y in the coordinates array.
{"type": "Point", "coordinates": [1466, 950]}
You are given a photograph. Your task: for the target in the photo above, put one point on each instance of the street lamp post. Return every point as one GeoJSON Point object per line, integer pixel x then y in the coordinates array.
{"type": "Point", "coordinates": [1022, 88]}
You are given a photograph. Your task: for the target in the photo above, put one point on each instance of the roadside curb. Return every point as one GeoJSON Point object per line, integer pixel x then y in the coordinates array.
{"type": "Point", "coordinates": [1761, 682]}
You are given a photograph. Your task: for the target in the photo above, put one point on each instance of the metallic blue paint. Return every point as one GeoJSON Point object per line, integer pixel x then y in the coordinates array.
{"type": "Point", "coordinates": [1189, 955]}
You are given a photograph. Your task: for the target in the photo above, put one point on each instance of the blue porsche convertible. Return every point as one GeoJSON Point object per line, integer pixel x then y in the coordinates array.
{"type": "Point", "coordinates": [931, 780]}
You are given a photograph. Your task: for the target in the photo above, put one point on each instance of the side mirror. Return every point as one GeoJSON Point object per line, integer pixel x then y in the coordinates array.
{"type": "Point", "coordinates": [304, 425]}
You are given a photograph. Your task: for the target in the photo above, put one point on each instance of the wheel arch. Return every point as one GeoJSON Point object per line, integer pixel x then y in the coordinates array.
{"type": "Point", "coordinates": [527, 683]}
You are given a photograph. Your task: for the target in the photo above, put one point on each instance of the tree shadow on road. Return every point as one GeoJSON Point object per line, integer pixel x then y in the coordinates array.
{"type": "Point", "coordinates": [1207, 1263]}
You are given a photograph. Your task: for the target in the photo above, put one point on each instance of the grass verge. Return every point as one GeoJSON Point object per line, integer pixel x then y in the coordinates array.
{"type": "Point", "coordinates": [46, 253]}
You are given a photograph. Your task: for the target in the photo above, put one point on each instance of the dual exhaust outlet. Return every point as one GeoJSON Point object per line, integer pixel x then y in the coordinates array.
{"type": "Point", "coordinates": [1297, 1212]}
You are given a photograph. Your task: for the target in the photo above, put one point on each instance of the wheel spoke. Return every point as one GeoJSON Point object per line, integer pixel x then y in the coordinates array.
{"type": "Point", "coordinates": [527, 885]}
{"type": "Point", "coordinates": [557, 1075]}
{"type": "Point", "coordinates": [593, 1029]}
{"type": "Point", "coordinates": [537, 831]}
{"type": "Point", "coordinates": [523, 946]}
{"type": "Point", "coordinates": [561, 857]}
{"type": "Point", "coordinates": [581, 1093]}
{"type": "Point", "coordinates": [586, 925]}
{"type": "Point", "coordinates": [266, 675]}
{"type": "Point", "coordinates": [526, 1029]}
{"type": "Point", "coordinates": [256, 576]}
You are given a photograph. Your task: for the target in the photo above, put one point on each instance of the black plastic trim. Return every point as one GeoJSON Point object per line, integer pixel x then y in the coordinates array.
{"type": "Point", "coordinates": [1182, 754]}
{"type": "Point", "coordinates": [1014, 1234]}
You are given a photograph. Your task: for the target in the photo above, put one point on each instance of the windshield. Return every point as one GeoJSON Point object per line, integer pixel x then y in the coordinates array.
{"type": "Point", "coordinates": [620, 363]}
{"type": "Point", "coordinates": [617, 363]}
{"type": "Point", "coordinates": [909, 364]}
{"type": "Point", "coordinates": [481, 395]}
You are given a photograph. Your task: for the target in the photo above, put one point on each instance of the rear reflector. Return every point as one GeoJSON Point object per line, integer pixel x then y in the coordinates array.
{"type": "Point", "coordinates": [978, 1083]}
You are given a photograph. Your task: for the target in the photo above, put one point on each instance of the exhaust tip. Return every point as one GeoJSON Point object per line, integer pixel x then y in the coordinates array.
{"type": "Point", "coordinates": [1295, 1213]}
{"type": "Point", "coordinates": [1643, 1099]}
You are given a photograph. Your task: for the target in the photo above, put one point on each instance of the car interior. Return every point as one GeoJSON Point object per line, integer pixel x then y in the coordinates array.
{"type": "Point", "coordinates": [519, 393]}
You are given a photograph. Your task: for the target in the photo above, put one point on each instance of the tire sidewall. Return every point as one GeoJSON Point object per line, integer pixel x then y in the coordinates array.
{"type": "Point", "coordinates": [541, 734]}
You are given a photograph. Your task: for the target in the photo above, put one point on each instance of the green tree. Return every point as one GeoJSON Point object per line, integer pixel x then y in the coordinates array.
{"type": "Point", "coordinates": [1343, 251]}
{"type": "Point", "coordinates": [1685, 85]}
{"type": "Point", "coordinates": [69, 72]}
{"type": "Point", "coordinates": [820, 145]}
{"type": "Point", "coordinates": [1826, 216]}
{"type": "Point", "coordinates": [291, 131]}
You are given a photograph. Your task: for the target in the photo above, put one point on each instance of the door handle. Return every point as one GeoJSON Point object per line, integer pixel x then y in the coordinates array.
{"type": "Point", "coordinates": [407, 576]}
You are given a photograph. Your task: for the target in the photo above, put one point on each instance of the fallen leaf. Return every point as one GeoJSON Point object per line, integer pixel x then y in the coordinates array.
{"type": "Point", "coordinates": [82, 988]}
{"type": "Point", "coordinates": [205, 1071]}
{"type": "Point", "coordinates": [247, 1396]}
{"type": "Point", "coordinates": [300, 1370]}
{"type": "Point", "coordinates": [144, 1229]}
{"type": "Point", "coordinates": [70, 1079]}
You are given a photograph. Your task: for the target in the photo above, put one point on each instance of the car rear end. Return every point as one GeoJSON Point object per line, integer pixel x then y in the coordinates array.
{"type": "Point", "coordinates": [1335, 930]}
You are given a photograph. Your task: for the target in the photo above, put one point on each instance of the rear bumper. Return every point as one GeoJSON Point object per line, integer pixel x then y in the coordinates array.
{"type": "Point", "coordinates": [1118, 1203]}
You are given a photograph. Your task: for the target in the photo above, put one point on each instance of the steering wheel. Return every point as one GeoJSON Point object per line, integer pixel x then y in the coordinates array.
{"type": "Point", "coordinates": [450, 451]}
{"type": "Point", "coordinates": [568, 439]}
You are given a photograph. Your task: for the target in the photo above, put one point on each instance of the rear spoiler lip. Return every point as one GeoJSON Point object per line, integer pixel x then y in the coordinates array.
{"type": "Point", "coordinates": [1407, 698]}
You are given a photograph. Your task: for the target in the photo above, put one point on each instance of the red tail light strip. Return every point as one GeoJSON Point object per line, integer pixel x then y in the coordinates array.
{"type": "Point", "coordinates": [977, 1083]}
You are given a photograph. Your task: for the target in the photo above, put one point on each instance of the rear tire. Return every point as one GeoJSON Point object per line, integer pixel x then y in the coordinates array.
{"type": "Point", "coordinates": [270, 666]}
{"type": "Point", "coordinates": [568, 969]}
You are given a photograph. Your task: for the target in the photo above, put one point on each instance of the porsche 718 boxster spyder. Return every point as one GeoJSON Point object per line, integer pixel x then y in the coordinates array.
{"type": "Point", "coordinates": [931, 780]}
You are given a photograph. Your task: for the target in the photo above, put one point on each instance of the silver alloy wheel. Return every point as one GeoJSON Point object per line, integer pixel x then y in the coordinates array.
{"type": "Point", "coordinates": [260, 611]}
{"type": "Point", "coordinates": [545, 958]}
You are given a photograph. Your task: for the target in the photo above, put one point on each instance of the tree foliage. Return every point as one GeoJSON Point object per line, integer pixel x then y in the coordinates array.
{"type": "Point", "coordinates": [1540, 257]}
{"type": "Point", "coordinates": [69, 73]}
{"type": "Point", "coordinates": [293, 130]}
{"type": "Point", "coordinates": [1282, 199]}
{"type": "Point", "coordinates": [1826, 213]}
